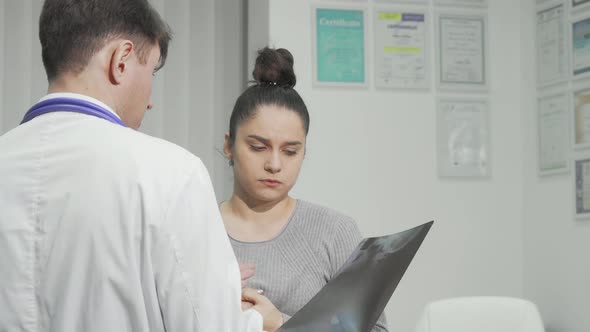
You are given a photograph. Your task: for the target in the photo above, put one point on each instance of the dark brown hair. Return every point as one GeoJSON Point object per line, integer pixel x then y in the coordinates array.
{"type": "Point", "coordinates": [274, 82]}
{"type": "Point", "coordinates": [72, 31]}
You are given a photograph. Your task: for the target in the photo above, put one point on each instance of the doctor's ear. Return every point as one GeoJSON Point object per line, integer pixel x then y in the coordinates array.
{"type": "Point", "coordinates": [120, 56]}
{"type": "Point", "coordinates": [227, 149]}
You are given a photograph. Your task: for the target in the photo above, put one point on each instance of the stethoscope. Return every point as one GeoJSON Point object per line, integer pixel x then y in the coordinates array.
{"type": "Point", "coordinates": [70, 105]}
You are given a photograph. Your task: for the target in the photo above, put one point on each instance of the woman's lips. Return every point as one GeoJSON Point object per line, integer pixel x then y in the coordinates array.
{"type": "Point", "coordinates": [271, 183]}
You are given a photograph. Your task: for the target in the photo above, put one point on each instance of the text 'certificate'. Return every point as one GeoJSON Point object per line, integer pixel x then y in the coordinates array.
{"type": "Point", "coordinates": [340, 46]}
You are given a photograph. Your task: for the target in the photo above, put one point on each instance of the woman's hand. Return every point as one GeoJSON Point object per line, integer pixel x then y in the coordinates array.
{"type": "Point", "coordinates": [273, 319]}
{"type": "Point", "coordinates": [246, 272]}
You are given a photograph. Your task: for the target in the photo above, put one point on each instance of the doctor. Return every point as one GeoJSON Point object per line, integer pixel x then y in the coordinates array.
{"type": "Point", "coordinates": [103, 228]}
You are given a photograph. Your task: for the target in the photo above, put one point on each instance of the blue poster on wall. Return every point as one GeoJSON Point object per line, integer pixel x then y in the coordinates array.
{"type": "Point", "coordinates": [340, 46]}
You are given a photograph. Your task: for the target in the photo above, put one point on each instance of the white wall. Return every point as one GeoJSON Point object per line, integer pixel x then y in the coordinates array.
{"type": "Point", "coordinates": [371, 154]}
{"type": "Point", "coordinates": [193, 93]}
{"type": "Point", "coordinates": [557, 248]}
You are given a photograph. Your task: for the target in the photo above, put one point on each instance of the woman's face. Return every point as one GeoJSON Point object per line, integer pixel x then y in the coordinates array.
{"type": "Point", "coordinates": [267, 154]}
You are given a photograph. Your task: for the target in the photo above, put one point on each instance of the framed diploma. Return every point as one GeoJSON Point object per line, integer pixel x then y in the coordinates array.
{"type": "Point", "coordinates": [581, 118]}
{"type": "Point", "coordinates": [552, 134]}
{"type": "Point", "coordinates": [582, 187]}
{"type": "Point", "coordinates": [352, 0]}
{"type": "Point", "coordinates": [579, 4]}
{"type": "Point", "coordinates": [339, 46]}
{"type": "Point", "coordinates": [463, 142]}
{"type": "Point", "coordinates": [471, 3]}
{"type": "Point", "coordinates": [552, 58]}
{"type": "Point", "coordinates": [581, 48]}
{"type": "Point", "coordinates": [462, 56]}
{"type": "Point", "coordinates": [416, 2]}
{"type": "Point", "coordinates": [401, 49]}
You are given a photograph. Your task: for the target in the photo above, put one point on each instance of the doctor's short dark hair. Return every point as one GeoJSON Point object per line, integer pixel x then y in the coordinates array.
{"type": "Point", "coordinates": [72, 31]}
{"type": "Point", "coordinates": [274, 82]}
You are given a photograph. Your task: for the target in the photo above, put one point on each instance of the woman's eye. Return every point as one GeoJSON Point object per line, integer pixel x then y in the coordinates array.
{"type": "Point", "coordinates": [257, 148]}
{"type": "Point", "coordinates": [291, 152]}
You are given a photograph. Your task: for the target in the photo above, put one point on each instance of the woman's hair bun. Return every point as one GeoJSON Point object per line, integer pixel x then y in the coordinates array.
{"type": "Point", "coordinates": [274, 67]}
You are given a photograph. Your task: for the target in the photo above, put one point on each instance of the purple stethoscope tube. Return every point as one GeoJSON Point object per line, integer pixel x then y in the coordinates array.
{"type": "Point", "coordinates": [70, 105]}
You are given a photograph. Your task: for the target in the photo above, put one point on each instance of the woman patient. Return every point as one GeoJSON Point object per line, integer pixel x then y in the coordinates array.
{"type": "Point", "coordinates": [295, 246]}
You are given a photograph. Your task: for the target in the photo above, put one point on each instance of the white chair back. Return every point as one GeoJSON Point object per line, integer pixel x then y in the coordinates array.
{"type": "Point", "coordinates": [480, 314]}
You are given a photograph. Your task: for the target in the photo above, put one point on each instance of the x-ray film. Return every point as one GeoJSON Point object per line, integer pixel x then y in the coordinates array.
{"type": "Point", "coordinates": [355, 298]}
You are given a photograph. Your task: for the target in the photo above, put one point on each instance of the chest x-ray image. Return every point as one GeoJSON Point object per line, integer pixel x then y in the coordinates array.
{"type": "Point", "coordinates": [355, 298]}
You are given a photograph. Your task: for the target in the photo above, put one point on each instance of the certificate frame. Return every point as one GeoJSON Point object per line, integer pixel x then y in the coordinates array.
{"type": "Point", "coordinates": [580, 166]}
{"type": "Point", "coordinates": [448, 165]}
{"type": "Point", "coordinates": [403, 2]}
{"type": "Point", "coordinates": [478, 84]}
{"type": "Point", "coordinates": [565, 144]}
{"type": "Point", "coordinates": [461, 3]}
{"type": "Point", "coordinates": [565, 75]}
{"type": "Point", "coordinates": [580, 104]}
{"type": "Point", "coordinates": [427, 81]}
{"type": "Point", "coordinates": [352, 1]}
{"type": "Point", "coordinates": [321, 80]}
{"type": "Point", "coordinates": [579, 28]}
{"type": "Point", "coordinates": [578, 6]}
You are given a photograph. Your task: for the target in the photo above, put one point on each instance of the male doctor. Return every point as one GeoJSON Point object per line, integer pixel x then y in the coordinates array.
{"type": "Point", "coordinates": [103, 228]}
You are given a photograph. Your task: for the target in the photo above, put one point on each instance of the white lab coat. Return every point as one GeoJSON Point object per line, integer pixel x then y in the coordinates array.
{"type": "Point", "coordinates": [105, 229]}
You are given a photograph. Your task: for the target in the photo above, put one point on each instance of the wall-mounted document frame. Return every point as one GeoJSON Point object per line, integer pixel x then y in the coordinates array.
{"type": "Point", "coordinates": [339, 46]}
{"type": "Point", "coordinates": [553, 140]}
{"type": "Point", "coordinates": [580, 47]}
{"type": "Point", "coordinates": [463, 137]}
{"type": "Point", "coordinates": [578, 5]}
{"type": "Point", "coordinates": [397, 2]}
{"type": "Point", "coordinates": [552, 45]}
{"type": "Point", "coordinates": [581, 117]}
{"type": "Point", "coordinates": [401, 48]}
{"type": "Point", "coordinates": [365, 1]}
{"type": "Point", "coordinates": [462, 61]}
{"type": "Point", "coordinates": [581, 187]}
{"type": "Point", "coordinates": [461, 3]}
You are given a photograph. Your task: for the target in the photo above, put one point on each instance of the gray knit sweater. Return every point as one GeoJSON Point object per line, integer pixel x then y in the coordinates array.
{"type": "Point", "coordinates": [297, 263]}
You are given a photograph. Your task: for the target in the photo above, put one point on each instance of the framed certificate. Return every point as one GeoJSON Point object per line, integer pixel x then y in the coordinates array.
{"type": "Point", "coordinates": [471, 3]}
{"type": "Point", "coordinates": [579, 4]}
{"type": "Point", "coordinates": [551, 44]}
{"type": "Point", "coordinates": [553, 134]}
{"type": "Point", "coordinates": [401, 49]}
{"type": "Point", "coordinates": [462, 56]}
{"type": "Point", "coordinates": [581, 118]}
{"type": "Point", "coordinates": [339, 46]}
{"type": "Point", "coordinates": [463, 142]}
{"type": "Point", "coordinates": [581, 187]}
{"type": "Point", "coordinates": [416, 2]}
{"type": "Point", "coordinates": [581, 48]}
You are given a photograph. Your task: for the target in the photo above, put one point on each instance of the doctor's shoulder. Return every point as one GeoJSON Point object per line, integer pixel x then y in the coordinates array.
{"type": "Point", "coordinates": [152, 154]}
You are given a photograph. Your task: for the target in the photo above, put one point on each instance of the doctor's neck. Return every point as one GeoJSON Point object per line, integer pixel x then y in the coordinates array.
{"type": "Point", "coordinates": [92, 81]}
{"type": "Point", "coordinates": [81, 84]}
